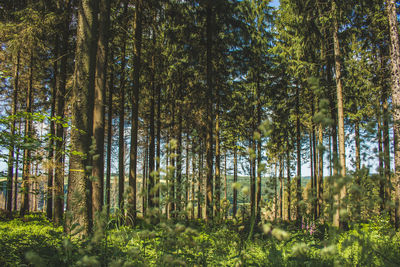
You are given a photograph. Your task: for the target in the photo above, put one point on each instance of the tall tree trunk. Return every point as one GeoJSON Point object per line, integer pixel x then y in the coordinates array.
{"type": "Point", "coordinates": [79, 200]}
{"type": "Point", "coordinates": [60, 144]}
{"type": "Point", "coordinates": [337, 221]}
{"type": "Point", "coordinates": [16, 171]}
{"type": "Point", "coordinates": [10, 173]}
{"type": "Point", "coordinates": [253, 177]}
{"type": "Point", "coordinates": [99, 108]}
{"type": "Point", "coordinates": [314, 159]}
{"type": "Point", "coordinates": [358, 166]}
{"type": "Point", "coordinates": [281, 188]}
{"type": "Point", "coordinates": [121, 128]}
{"type": "Point", "coordinates": [109, 133]}
{"type": "Point", "coordinates": [395, 84]}
{"type": "Point", "coordinates": [28, 135]}
{"type": "Point", "coordinates": [152, 143]}
{"type": "Point", "coordinates": [312, 174]}
{"type": "Point", "coordinates": [275, 191]}
{"type": "Point", "coordinates": [194, 167]}
{"type": "Point", "coordinates": [380, 159]}
{"type": "Point", "coordinates": [298, 158]}
{"type": "Point", "coordinates": [135, 111]}
{"type": "Point", "coordinates": [217, 161]}
{"type": "Point", "coordinates": [225, 178]}
{"type": "Point", "coordinates": [259, 159]}
{"type": "Point", "coordinates": [171, 188]}
{"type": "Point", "coordinates": [386, 150]}
{"type": "Point", "coordinates": [235, 176]}
{"type": "Point", "coordinates": [145, 188]}
{"type": "Point", "coordinates": [320, 179]}
{"type": "Point", "coordinates": [209, 136]}
{"type": "Point", "coordinates": [199, 189]}
{"type": "Point", "coordinates": [158, 156]}
{"type": "Point", "coordinates": [178, 186]}
{"type": "Point", "coordinates": [52, 131]}
{"type": "Point", "coordinates": [187, 180]}
{"type": "Point", "coordinates": [289, 190]}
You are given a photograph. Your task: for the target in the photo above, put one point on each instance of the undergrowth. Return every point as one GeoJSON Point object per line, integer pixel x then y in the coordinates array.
{"type": "Point", "coordinates": [34, 241]}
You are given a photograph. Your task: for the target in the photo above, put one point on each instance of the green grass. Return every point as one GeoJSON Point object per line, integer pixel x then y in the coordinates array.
{"type": "Point", "coordinates": [33, 241]}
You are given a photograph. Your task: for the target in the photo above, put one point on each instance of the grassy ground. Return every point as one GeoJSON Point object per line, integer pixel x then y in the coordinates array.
{"type": "Point", "coordinates": [33, 241]}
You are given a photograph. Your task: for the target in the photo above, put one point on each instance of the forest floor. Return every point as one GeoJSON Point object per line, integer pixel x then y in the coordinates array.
{"type": "Point", "coordinates": [34, 241]}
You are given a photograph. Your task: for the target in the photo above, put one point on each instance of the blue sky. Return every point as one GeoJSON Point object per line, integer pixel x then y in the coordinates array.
{"type": "Point", "coordinates": [275, 3]}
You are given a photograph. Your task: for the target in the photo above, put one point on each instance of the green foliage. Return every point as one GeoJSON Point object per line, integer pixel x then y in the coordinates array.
{"type": "Point", "coordinates": [33, 241]}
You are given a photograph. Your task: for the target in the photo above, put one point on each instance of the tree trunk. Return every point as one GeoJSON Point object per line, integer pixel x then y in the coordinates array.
{"type": "Point", "coordinates": [298, 156]}
{"type": "Point", "coordinates": [259, 157]}
{"type": "Point", "coordinates": [235, 176]}
{"type": "Point", "coordinates": [59, 157]}
{"type": "Point", "coordinates": [380, 159]}
{"type": "Point", "coordinates": [187, 180]}
{"type": "Point", "coordinates": [135, 112]}
{"type": "Point", "coordinates": [314, 159]}
{"type": "Point", "coordinates": [28, 135]}
{"type": "Point", "coordinates": [337, 221]}
{"type": "Point", "coordinates": [16, 171]}
{"type": "Point", "coordinates": [109, 134]}
{"type": "Point", "coordinates": [358, 167]}
{"type": "Point", "coordinates": [79, 200]}
{"type": "Point", "coordinates": [171, 187]}
{"type": "Point", "coordinates": [281, 188]}
{"type": "Point", "coordinates": [145, 188]}
{"type": "Point", "coordinates": [217, 161]}
{"type": "Point", "coordinates": [395, 84]}
{"type": "Point", "coordinates": [194, 167]}
{"type": "Point", "coordinates": [52, 131]}
{"type": "Point", "coordinates": [253, 178]}
{"type": "Point", "coordinates": [210, 93]}
{"type": "Point", "coordinates": [99, 108]}
{"type": "Point", "coordinates": [178, 186]}
{"type": "Point", "coordinates": [320, 179]}
{"type": "Point", "coordinates": [289, 190]}
{"type": "Point", "coordinates": [158, 157]}
{"type": "Point", "coordinates": [10, 173]}
{"type": "Point", "coordinates": [312, 174]}
{"type": "Point", "coordinates": [121, 128]}
{"type": "Point", "coordinates": [199, 189]}
{"type": "Point", "coordinates": [152, 143]}
{"type": "Point", "coordinates": [386, 150]}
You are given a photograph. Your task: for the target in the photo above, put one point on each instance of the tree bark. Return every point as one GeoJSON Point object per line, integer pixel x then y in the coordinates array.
{"type": "Point", "coordinates": [217, 161]}
{"type": "Point", "coordinates": [395, 84]}
{"type": "Point", "coordinates": [121, 128]}
{"type": "Point", "coordinates": [337, 221]}
{"type": "Point", "coordinates": [289, 190]}
{"type": "Point", "coordinates": [152, 175]}
{"type": "Point", "coordinates": [281, 188]}
{"type": "Point", "coordinates": [60, 144]}
{"type": "Point", "coordinates": [199, 188]}
{"type": "Point", "coordinates": [27, 151]}
{"type": "Point", "coordinates": [79, 195]}
{"type": "Point", "coordinates": [109, 133]}
{"type": "Point", "coordinates": [386, 150]}
{"type": "Point", "coordinates": [52, 131]}
{"type": "Point", "coordinates": [235, 176]}
{"type": "Point", "coordinates": [320, 178]}
{"type": "Point", "coordinates": [10, 173]}
{"type": "Point", "coordinates": [298, 156]}
{"type": "Point", "coordinates": [179, 188]}
{"type": "Point", "coordinates": [16, 171]}
{"type": "Point", "coordinates": [135, 112]}
{"type": "Point", "coordinates": [99, 108]}
{"type": "Point", "coordinates": [210, 89]}
{"type": "Point", "coordinates": [259, 157]}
